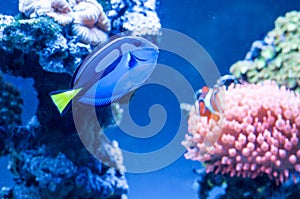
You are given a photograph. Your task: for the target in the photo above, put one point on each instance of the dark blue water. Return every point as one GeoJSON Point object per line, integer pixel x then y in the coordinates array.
{"type": "Point", "coordinates": [226, 30]}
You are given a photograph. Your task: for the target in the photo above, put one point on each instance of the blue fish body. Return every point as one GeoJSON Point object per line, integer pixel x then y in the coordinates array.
{"type": "Point", "coordinates": [111, 71]}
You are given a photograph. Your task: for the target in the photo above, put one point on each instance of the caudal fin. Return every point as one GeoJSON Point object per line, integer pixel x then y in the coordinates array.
{"type": "Point", "coordinates": [61, 99]}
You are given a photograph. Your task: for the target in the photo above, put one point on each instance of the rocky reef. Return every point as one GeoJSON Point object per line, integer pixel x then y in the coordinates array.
{"type": "Point", "coordinates": [11, 104]}
{"type": "Point", "coordinates": [10, 112]}
{"type": "Point", "coordinates": [225, 187]}
{"type": "Point", "coordinates": [136, 17]}
{"type": "Point", "coordinates": [87, 17]}
{"type": "Point", "coordinates": [276, 57]}
{"type": "Point", "coordinates": [47, 42]}
{"type": "Point", "coordinates": [44, 38]}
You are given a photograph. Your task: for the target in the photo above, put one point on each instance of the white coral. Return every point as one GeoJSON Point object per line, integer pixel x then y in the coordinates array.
{"type": "Point", "coordinates": [90, 22]}
{"type": "Point", "coordinates": [27, 6]}
{"type": "Point", "coordinates": [5, 20]}
{"type": "Point", "coordinates": [142, 23]}
{"type": "Point", "coordinates": [89, 35]}
{"type": "Point", "coordinates": [148, 4]}
{"type": "Point", "coordinates": [59, 10]}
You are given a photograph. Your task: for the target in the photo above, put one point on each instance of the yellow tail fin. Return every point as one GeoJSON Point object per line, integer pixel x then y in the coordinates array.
{"type": "Point", "coordinates": [62, 99]}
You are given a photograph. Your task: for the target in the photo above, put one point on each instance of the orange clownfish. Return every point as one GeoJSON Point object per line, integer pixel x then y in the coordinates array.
{"type": "Point", "coordinates": [207, 103]}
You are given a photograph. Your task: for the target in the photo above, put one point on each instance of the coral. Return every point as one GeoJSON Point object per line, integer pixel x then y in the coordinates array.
{"type": "Point", "coordinates": [260, 187]}
{"type": "Point", "coordinates": [46, 171]}
{"type": "Point", "coordinates": [10, 105]}
{"type": "Point", "coordinates": [117, 6]}
{"type": "Point", "coordinates": [276, 57]}
{"type": "Point", "coordinates": [4, 21]}
{"type": "Point", "coordinates": [26, 34]}
{"type": "Point", "coordinates": [141, 22]}
{"type": "Point", "coordinates": [59, 10]}
{"type": "Point", "coordinates": [55, 170]}
{"type": "Point", "coordinates": [15, 138]}
{"type": "Point", "coordinates": [58, 177]}
{"type": "Point", "coordinates": [20, 192]}
{"type": "Point", "coordinates": [100, 19]}
{"type": "Point", "coordinates": [138, 18]}
{"type": "Point", "coordinates": [35, 166]}
{"type": "Point", "coordinates": [147, 4]}
{"type": "Point", "coordinates": [90, 22]}
{"type": "Point", "coordinates": [107, 185]}
{"type": "Point", "coordinates": [48, 157]}
{"type": "Point", "coordinates": [44, 37]}
{"type": "Point", "coordinates": [27, 6]}
{"type": "Point", "coordinates": [258, 133]}
{"type": "Point", "coordinates": [87, 18]}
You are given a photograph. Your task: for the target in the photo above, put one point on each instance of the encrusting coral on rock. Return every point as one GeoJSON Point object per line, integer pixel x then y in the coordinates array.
{"type": "Point", "coordinates": [10, 104]}
{"type": "Point", "coordinates": [47, 43]}
{"type": "Point", "coordinates": [88, 19]}
{"type": "Point", "coordinates": [59, 10]}
{"type": "Point", "coordinates": [136, 17]}
{"type": "Point", "coordinates": [60, 177]}
{"type": "Point", "coordinates": [276, 57]}
{"type": "Point", "coordinates": [50, 161]}
{"type": "Point", "coordinates": [56, 53]}
{"type": "Point", "coordinates": [142, 20]}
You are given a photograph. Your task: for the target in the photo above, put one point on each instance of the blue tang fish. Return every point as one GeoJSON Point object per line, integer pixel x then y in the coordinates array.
{"type": "Point", "coordinates": [111, 71]}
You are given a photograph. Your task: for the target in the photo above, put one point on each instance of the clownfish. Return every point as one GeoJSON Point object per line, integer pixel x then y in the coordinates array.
{"type": "Point", "coordinates": [110, 72]}
{"type": "Point", "coordinates": [207, 104]}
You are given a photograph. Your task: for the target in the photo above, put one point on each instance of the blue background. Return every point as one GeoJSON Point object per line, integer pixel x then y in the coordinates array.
{"type": "Point", "coordinates": [226, 30]}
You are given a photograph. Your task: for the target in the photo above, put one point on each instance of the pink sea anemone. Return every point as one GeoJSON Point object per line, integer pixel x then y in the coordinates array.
{"type": "Point", "coordinates": [257, 133]}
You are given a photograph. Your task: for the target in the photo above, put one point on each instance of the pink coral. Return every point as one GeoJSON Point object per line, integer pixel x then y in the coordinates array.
{"type": "Point", "coordinates": [258, 133]}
